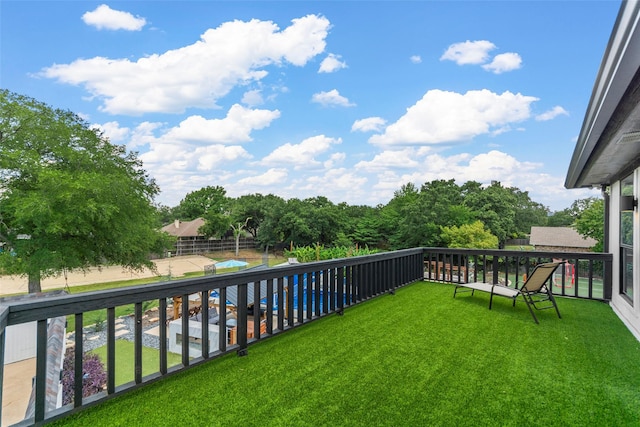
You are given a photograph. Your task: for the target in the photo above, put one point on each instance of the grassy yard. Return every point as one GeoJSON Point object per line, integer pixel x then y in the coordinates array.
{"type": "Point", "coordinates": [125, 360]}
{"type": "Point", "coordinates": [419, 357]}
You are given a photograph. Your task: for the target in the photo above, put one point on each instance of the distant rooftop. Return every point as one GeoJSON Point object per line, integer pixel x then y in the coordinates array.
{"type": "Point", "coordinates": [559, 236]}
{"type": "Point", "coordinates": [184, 228]}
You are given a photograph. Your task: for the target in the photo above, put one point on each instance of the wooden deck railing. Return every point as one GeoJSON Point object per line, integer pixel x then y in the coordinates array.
{"type": "Point", "coordinates": [581, 275]}
{"type": "Point", "coordinates": [256, 304]}
{"type": "Point", "coordinates": [267, 302]}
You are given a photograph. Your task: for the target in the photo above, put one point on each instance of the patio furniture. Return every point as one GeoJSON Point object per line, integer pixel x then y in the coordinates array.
{"type": "Point", "coordinates": [446, 271]}
{"type": "Point", "coordinates": [535, 291]}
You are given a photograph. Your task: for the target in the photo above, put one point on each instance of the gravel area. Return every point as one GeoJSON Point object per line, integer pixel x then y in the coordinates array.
{"type": "Point", "coordinates": [94, 339]}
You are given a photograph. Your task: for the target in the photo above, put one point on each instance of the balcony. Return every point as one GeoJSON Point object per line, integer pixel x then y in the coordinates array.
{"type": "Point", "coordinates": [410, 355]}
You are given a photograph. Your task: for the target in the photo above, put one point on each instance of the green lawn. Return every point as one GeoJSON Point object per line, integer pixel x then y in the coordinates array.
{"type": "Point", "coordinates": [416, 358]}
{"type": "Point", "coordinates": [125, 360]}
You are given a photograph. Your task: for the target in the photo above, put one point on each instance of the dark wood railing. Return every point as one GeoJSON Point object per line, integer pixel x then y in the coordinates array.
{"type": "Point", "coordinates": [267, 302]}
{"type": "Point", "coordinates": [581, 275]}
{"type": "Point", "coordinates": [257, 304]}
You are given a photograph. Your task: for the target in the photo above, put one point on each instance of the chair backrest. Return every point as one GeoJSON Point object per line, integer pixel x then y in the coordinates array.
{"type": "Point", "coordinates": [539, 276]}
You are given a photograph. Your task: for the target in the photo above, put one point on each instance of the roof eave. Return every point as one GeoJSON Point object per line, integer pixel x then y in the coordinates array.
{"type": "Point", "coordinates": [617, 71]}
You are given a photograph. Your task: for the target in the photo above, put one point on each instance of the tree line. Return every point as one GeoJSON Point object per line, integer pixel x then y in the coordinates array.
{"type": "Point", "coordinates": [439, 213]}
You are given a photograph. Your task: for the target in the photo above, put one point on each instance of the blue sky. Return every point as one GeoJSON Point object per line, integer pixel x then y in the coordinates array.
{"type": "Point", "coordinates": [348, 100]}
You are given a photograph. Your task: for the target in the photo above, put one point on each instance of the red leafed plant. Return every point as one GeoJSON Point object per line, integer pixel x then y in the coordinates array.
{"type": "Point", "coordinates": [94, 376]}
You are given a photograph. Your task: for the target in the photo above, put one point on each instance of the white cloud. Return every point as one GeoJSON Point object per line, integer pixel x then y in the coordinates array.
{"type": "Point", "coordinates": [504, 62]}
{"type": "Point", "coordinates": [143, 135]}
{"type": "Point", "coordinates": [469, 52]}
{"type": "Point", "coordinates": [331, 98]}
{"type": "Point", "coordinates": [235, 127]}
{"type": "Point", "coordinates": [369, 124]}
{"type": "Point", "coordinates": [252, 98]}
{"type": "Point", "coordinates": [210, 157]}
{"type": "Point", "coordinates": [416, 59]}
{"type": "Point", "coordinates": [442, 117]}
{"type": "Point", "coordinates": [170, 158]}
{"type": "Point", "coordinates": [114, 132]}
{"type": "Point", "coordinates": [274, 176]}
{"type": "Point", "coordinates": [199, 74]}
{"type": "Point", "coordinates": [334, 159]}
{"type": "Point", "coordinates": [552, 114]}
{"type": "Point", "coordinates": [331, 63]}
{"type": "Point", "coordinates": [335, 182]}
{"type": "Point", "coordinates": [303, 155]}
{"type": "Point", "coordinates": [105, 18]}
{"type": "Point", "coordinates": [394, 159]}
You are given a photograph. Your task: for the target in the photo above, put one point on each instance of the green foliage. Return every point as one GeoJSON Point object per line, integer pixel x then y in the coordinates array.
{"type": "Point", "coordinates": [268, 228]}
{"type": "Point", "coordinates": [98, 326]}
{"type": "Point", "coordinates": [216, 224]}
{"type": "Point", "coordinates": [164, 215]}
{"type": "Point", "coordinates": [417, 217]}
{"type": "Point", "coordinates": [496, 207]}
{"type": "Point", "coordinates": [320, 253]}
{"type": "Point", "coordinates": [69, 199]}
{"type": "Point", "coordinates": [590, 222]}
{"type": "Point", "coordinates": [562, 218]}
{"type": "Point", "coordinates": [252, 206]}
{"type": "Point", "coordinates": [472, 235]}
{"type": "Point", "coordinates": [528, 213]}
{"type": "Point", "coordinates": [207, 200]}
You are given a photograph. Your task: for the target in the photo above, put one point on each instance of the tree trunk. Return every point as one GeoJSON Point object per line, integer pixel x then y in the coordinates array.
{"type": "Point", "coordinates": [34, 283]}
{"type": "Point", "coordinates": [237, 243]}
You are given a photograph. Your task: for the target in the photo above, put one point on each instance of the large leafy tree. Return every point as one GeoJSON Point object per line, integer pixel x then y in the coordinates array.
{"type": "Point", "coordinates": [496, 207]}
{"type": "Point", "coordinates": [249, 209]}
{"type": "Point", "coordinates": [211, 204]}
{"type": "Point", "coordinates": [293, 225]}
{"type": "Point", "coordinates": [200, 203]}
{"type": "Point", "coordinates": [269, 232]}
{"type": "Point", "coordinates": [69, 199]}
{"type": "Point", "coordinates": [419, 215]}
{"type": "Point", "coordinates": [590, 220]}
{"type": "Point", "coordinates": [324, 218]}
{"type": "Point", "coordinates": [366, 228]}
{"type": "Point", "coordinates": [563, 218]}
{"type": "Point", "coordinates": [403, 218]}
{"type": "Point", "coordinates": [528, 213]}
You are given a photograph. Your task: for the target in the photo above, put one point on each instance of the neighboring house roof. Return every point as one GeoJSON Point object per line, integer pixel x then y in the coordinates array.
{"type": "Point", "coordinates": [608, 146]}
{"type": "Point", "coordinates": [184, 228]}
{"type": "Point", "coordinates": [565, 237]}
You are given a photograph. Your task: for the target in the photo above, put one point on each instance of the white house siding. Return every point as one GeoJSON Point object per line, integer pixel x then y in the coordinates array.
{"type": "Point", "coordinates": [20, 342]}
{"type": "Point", "coordinates": [629, 313]}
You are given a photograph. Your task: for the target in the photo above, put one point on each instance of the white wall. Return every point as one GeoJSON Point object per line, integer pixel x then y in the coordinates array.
{"type": "Point", "coordinates": [20, 342]}
{"type": "Point", "coordinates": [628, 313]}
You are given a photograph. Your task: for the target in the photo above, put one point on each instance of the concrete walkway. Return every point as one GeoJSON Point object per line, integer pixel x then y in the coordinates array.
{"type": "Point", "coordinates": [176, 266]}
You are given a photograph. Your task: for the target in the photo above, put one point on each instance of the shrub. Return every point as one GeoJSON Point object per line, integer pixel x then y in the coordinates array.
{"type": "Point", "coordinates": [94, 377]}
{"type": "Point", "coordinates": [319, 252]}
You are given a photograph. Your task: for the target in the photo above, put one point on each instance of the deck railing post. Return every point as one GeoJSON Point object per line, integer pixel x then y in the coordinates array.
{"type": "Point", "coordinates": [607, 279]}
{"type": "Point", "coordinates": [242, 319]}
{"type": "Point", "coordinates": [79, 350]}
{"type": "Point", "coordinates": [41, 371]}
{"type": "Point", "coordinates": [111, 350]}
